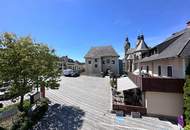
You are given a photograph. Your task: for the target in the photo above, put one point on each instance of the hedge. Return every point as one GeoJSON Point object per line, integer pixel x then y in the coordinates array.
{"type": "Point", "coordinates": [25, 122]}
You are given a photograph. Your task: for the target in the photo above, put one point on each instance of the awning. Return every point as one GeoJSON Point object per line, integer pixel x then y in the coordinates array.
{"type": "Point", "coordinates": [124, 83]}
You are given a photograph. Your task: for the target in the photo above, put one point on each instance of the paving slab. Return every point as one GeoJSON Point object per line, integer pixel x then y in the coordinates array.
{"type": "Point", "coordinates": [84, 103]}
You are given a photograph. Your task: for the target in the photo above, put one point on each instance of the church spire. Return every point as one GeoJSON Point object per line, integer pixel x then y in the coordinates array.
{"type": "Point", "coordinates": [127, 45]}
{"type": "Point", "coordinates": [141, 45]}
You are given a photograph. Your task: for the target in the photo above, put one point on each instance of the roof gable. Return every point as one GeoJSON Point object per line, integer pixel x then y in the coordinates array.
{"type": "Point", "coordinates": [176, 45]}
{"type": "Point", "coordinates": [102, 51]}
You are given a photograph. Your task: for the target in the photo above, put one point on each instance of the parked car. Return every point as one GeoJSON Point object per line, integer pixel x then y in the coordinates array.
{"type": "Point", "coordinates": [71, 73]}
{"type": "Point", "coordinates": [67, 72]}
{"type": "Point", "coordinates": [75, 73]}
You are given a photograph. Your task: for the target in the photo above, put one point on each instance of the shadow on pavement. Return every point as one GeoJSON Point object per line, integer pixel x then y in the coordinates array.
{"type": "Point", "coordinates": [60, 117]}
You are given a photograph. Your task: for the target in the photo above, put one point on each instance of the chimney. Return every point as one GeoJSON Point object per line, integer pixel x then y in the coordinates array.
{"type": "Point", "coordinates": [188, 24]}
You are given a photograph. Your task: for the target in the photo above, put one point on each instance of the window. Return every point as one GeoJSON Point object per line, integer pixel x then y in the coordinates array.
{"type": "Point", "coordinates": [108, 61]}
{"type": "Point", "coordinates": [147, 69]}
{"type": "Point", "coordinates": [96, 60]}
{"type": "Point", "coordinates": [141, 68]}
{"type": "Point", "coordinates": [169, 71]}
{"type": "Point", "coordinates": [103, 62]}
{"type": "Point", "coordinates": [89, 62]}
{"type": "Point", "coordinates": [95, 65]}
{"type": "Point", "coordinates": [159, 70]}
{"type": "Point", "coordinates": [113, 61]}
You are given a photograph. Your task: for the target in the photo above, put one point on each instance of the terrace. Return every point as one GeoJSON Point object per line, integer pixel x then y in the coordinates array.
{"type": "Point", "coordinates": [158, 84]}
{"type": "Point", "coordinates": [127, 103]}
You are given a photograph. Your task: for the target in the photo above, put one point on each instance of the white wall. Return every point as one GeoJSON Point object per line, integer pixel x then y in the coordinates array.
{"type": "Point", "coordinates": [90, 68]}
{"type": "Point", "coordinates": [176, 63]}
{"type": "Point", "coordinates": [113, 67]}
{"type": "Point", "coordinates": [160, 103]}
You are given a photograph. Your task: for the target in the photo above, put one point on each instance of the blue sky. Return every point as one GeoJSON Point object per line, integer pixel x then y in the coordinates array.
{"type": "Point", "coordinates": [73, 26]}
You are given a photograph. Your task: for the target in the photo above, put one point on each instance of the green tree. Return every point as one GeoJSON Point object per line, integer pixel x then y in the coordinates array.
{"type": "Point", "coordinates": [45, 67]}
{"type": "Point", "coordinates": [187, 96]}
{"type": "Point", "coordinates": [24, 64]}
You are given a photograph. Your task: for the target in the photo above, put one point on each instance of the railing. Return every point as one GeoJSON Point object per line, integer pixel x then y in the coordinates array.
{"type": "Point", "coordinates": [158, 84]}
{"type": "Point", "coordinates": [163, 85]}
{"type": "Point", "coordinates": [136, 79]}
{"type": "Point", "coordinates": [127, 109]}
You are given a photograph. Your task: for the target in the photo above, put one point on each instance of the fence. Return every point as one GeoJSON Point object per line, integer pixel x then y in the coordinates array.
{"type": "Point", "coordinates": [127, 109]}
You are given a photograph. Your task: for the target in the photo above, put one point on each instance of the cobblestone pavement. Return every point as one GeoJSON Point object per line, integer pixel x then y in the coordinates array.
{"type": "Point", "coordinates": [84, 103]}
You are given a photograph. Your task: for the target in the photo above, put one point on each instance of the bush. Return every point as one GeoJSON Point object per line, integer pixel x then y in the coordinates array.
{"type": "Point", "coordinates": [39, 111]}
{"type": "Point", "coordinates": [23, 122]}
{"type": "Point", "coordinates": [26, 106]}
{"type": "Point", "coordinates": [19, 120]}
{"type": "Point", "coordinates": [187, 127]}
{"type": "Point", "coordinates": [187, 99]}
{"type": "Point", "coordinates": [2, 128]}
{"type": "Point", "coordinates": [187, 96]}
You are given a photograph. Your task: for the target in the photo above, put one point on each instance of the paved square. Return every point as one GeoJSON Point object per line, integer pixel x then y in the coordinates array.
{"type": "Point", "coordinates": [85, 103]}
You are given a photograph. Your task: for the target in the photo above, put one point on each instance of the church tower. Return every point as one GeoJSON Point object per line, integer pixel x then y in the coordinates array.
{"type": "Point", "coordinates": [127, 45]}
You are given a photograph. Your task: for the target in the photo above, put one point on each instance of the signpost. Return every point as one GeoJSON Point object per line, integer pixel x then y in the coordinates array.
{"type": "Point", "coordinates": [120, 117]}
{"type": "Point", "coordinates": [35, 97]}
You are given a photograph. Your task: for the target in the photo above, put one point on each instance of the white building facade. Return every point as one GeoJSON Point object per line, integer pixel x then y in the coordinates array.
{"type": "Point", "coordinates": [160, 72]}
{"type": "Point", "coordinates": [101, 60]}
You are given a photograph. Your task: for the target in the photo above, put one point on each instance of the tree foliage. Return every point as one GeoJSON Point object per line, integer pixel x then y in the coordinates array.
{"type": "Point", "coordinates": [25, 64]}
{"type": "Point", "coordinates": [187, 96]}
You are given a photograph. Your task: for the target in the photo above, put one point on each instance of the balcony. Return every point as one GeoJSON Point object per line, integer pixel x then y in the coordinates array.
{"type": "Point", "coordinates": [127, 109]}
{"type": "Point", "coordinates": [158, 84]}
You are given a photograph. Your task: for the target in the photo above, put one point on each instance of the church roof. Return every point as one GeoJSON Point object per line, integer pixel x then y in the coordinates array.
{"type": "Point", "coordinates": [101, 51]}
{"type": "Point", "coordinates": [141, 45]}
